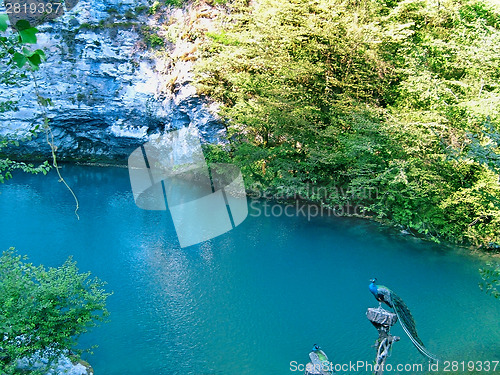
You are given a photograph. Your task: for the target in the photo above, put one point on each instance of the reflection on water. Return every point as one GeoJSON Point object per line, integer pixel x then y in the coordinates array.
{"type": "Point", "coordinates": [252, 300]}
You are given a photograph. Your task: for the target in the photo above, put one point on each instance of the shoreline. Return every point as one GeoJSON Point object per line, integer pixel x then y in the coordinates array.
{"type": "Point", "coordinates": [480, 251]}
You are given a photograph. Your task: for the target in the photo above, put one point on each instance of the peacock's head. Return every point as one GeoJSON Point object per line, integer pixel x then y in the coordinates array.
{"type": "Point", "coordinates": [374, 280]}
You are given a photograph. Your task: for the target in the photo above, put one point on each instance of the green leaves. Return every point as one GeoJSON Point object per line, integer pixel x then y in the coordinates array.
{"type": "Point", "coordinates": [4, 18]}
{"type": "Point", "coordinates": [491, 279]}
{"type": "Point", "coordinates": [26, 32]}
{"type": "Point", "coordinates": [19, 59]}
{"type": "Point", "coordinates": [20, 54]}
{"type": "Point", "coordinates": [49, 308]}
{"type": "Point", "coordinates": [44, 102]}
{"type": "Point", "coordinates": [33, 58]}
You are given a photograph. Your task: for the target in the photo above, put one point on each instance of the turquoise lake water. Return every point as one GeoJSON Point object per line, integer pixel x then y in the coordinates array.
{"type": "Point", "coordinates": [252, 300]}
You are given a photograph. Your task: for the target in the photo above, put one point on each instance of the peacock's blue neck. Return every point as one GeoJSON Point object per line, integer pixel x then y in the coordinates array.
{"type": "Point", "coordinates": [373, 288]}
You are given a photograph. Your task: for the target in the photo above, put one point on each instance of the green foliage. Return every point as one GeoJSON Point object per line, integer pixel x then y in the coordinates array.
{"type": "Point", "coordinates": [154, 8]}
{"type": "Point", "coordinates": [223, 39]}
{"type": "Point", "coordinates": [4, 22]}
{"type": "Point", "coordinates": [400, 98]}
{"type": "Point", "coordinates": [7, 166]}
{"type": "Point", "coordinates": [491, 279]}
{"type": "Point", "coordinates": [14, 52]}
{"type": "Point", "coordinates": [21, 56]}
{"type": "Point", "coordinates": [175, 2]}
{"type": "Point", "coordinates": [216, 154]}
{"type": "Point", "coordinates": [111, 24]}
{"type": "Point", "coordinates": [484, 146]}
{"type": "Point", "coordinates": [154, 40]}
{"type": "Point", "coordinates": [45, 310]}
{"type": "Point", "coordinates": [8, 105]}
{"type": "Point", "coordinates": [151, 38]}
{"type": "Point", "coordinates": [478, 11]}
{"type": "Point", "coordinates": [16, 56]}
{"type": "Point", "coordinates": [140, 9]}
{"type": "Point", "coordinates": [217, 2]}
{"type": "Point", "coordinates": [130, 15]}
{"type": "Point", "coordinates": [112, 11]}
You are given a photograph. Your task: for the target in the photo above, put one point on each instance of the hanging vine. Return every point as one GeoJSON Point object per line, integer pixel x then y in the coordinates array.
{"type": "Point", "coordinates": [21, 57]}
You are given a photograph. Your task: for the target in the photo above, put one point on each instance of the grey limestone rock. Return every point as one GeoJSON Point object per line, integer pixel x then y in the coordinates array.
{"type": "Point", "coordinates": [110, 92]}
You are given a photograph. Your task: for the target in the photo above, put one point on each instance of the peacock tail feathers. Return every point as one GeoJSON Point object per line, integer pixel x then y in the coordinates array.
{"type": "Point", "coordinates": [404, 316]}
{"type": "Point", "coordinates": [408, 323]}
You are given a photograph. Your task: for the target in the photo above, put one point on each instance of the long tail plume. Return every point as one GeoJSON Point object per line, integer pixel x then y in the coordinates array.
{"type": "Point", "coordinates": [408, 324]}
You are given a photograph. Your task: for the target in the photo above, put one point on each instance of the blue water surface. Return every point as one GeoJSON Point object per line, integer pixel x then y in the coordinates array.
{"type": "Point", "coordinates": [252, 300]}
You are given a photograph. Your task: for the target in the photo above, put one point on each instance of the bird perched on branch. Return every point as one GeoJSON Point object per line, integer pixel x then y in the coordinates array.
{"type": "Point", "coordinates": [391, 299]}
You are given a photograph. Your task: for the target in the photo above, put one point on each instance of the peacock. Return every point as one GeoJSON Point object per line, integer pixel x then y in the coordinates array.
{"type": "Point", "coordinates": [391, 299]}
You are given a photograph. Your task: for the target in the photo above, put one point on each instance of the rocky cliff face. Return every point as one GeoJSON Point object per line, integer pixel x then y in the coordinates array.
{"type": "Point", "coordinates": [113, 82]}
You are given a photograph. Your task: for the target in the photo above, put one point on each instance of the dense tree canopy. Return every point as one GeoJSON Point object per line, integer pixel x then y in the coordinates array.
{"type": "Point", "coordinates": [400, 98]}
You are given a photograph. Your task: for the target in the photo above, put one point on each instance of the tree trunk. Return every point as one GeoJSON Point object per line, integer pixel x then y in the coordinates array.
{"type": "Point", "coordinates": [382, 320]}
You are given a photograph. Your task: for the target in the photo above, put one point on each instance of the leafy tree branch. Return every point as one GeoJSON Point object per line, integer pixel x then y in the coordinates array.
{"type": "Point", "coordinates": [17, 55]}
{"type": "Point", "coordinates": [44, 311]}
